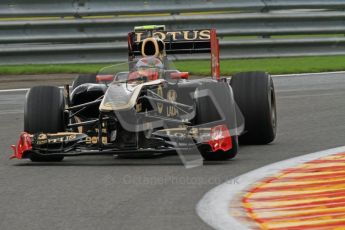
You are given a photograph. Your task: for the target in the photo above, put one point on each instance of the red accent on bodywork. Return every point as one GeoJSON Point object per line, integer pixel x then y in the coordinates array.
{"type": "Point", "coordinates": [179, 75]}
{"type": "Point", "coordinates": [215, 63]}
{"type": "Point", "coordinates": [151, 75]}
{"type": "Point", "coordinates": [24, 144]}
{"type": "Point", "coordinates": [104, 78]}
{"type": "Point", "coordinates": [220, 138]}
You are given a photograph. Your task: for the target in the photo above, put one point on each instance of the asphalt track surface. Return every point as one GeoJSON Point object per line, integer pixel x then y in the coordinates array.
{"type": "Point", "coordinates": [156, 193]}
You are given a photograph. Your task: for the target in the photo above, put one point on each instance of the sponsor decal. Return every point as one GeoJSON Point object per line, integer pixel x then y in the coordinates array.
{"type": "Point", "coordinates": [187, 35]}
{"type": "Point", "coordinates": [199, 134]}
{"type": "Point", "coordinates": [160, 93]}
{"type": "Point", "coordinates": [94, 140]}
{"type": "Point", "coordinates": [171, 95]}
{"type": "Point", "coordinates": [172, 110]}
{"type": "Point", "coordinates": [54, 138]}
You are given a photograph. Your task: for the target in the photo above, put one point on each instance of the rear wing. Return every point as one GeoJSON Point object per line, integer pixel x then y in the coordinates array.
{"type": "Point", "coordinates": [155, 41]}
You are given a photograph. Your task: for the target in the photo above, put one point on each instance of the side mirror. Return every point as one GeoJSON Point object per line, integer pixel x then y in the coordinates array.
{"type": "Point", "coordinates": [179, 75]}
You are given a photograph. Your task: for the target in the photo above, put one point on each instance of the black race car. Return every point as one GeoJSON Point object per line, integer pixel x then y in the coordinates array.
{"type": "Point", "coordinates": [146, 106]}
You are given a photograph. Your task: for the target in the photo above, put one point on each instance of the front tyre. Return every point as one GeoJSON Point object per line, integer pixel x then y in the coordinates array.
{"type": "Point", "coordinates": [44, 113]}
{"type": "Point", "coordinates": [254, 94]}
{"type": "Point", "coordinates": [208, 114]}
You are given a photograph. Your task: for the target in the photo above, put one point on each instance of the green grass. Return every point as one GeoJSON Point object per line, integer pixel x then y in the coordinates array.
{"type": "Point", "coordinates": [271, 65]}
{"type": "Point", "coordinates": [228, 67]}
{"type": "Point", "coordinates": [51, 69]}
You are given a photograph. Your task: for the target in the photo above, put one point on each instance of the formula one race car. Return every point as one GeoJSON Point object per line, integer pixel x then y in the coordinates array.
{"type": "Point", "coordinates": [146, 106]}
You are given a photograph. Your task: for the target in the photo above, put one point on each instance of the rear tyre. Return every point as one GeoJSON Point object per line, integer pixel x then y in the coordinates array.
{"type": "Point", "coordinates": [254, 94]}
{"type": "Point", "coordinates": [82, 79]}
{"type": "Point", "coordinates": [44, 113]}
{"type": "Point", "coordinates": [206, 112]}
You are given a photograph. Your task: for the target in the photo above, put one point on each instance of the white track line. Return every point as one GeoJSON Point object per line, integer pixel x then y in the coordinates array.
{"type": "Point", "coordinates": [308, 74]}
{"type": "Point", "coordinates": [18, 90]}
{"type": "Point", "coordinates": [214, 208]}
{"type": "Point", "coordinates": [13, 90]}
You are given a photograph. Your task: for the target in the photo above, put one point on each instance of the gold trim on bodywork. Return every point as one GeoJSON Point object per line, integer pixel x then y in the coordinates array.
{"type": "Point", "coordinates": [155, 43]}
{"type": "Point", "coordinates": [51, 138]}
{"type": "Point", "coordinates": [108, 106]}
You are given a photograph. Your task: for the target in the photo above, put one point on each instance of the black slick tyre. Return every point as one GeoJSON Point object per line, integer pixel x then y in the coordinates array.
{"type": "Point", "coordinates": [206, 112]}
{"type": "Point", "coordinates": [255, 96]}
{"type": "Point", "coordinates": [44, 113]}
{"type": "Point", "coordinates": [82, 79]}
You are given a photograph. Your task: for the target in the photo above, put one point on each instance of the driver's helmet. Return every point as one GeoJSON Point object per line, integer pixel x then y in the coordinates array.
{"type": "Point", "coordinates": [149, 67]}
